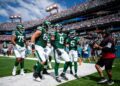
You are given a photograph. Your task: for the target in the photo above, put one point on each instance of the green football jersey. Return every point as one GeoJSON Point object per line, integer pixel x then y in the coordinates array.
{"type": "Point", "coordinates": [73, 43]}
{"type": "Point", "coordinates": [60, 40]}
{"type": "Point", "coordinates": [20, 38]}
{"type": "Point", "coordinates": [43, 38]}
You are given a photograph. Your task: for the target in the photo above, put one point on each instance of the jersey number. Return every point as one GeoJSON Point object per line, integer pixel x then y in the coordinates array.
{"type": "Point", "coordinates": [21, 38]}
{"type": "Point", "coordinates": [72, 43]}
{"type": "Point", "coordinates": [45, 37]}
{"type": "Point", "coordinates": [61, 40]}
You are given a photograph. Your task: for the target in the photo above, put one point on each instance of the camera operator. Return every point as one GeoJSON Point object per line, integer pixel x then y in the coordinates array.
{"type": "Point", "coordinates": [107, 46]}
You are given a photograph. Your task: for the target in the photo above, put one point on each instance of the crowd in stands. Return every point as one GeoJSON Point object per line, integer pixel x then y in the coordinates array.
{"type": "Point", "coordinates": [77, 25]}
{"type": "Point", "coordinates": [79, 9]}
{"type": "Point", "coordinates": [5, 37]}
{"type": "Point", "coordinates": [76, 9]}
{"type": "Point", "coordinates": [94, 22]}
{"type": "Point", "coordinates": [116, 36]}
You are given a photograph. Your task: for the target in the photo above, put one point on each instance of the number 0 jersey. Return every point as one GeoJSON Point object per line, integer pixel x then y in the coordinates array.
{"type": "Point", "coordinates": [60, 40]}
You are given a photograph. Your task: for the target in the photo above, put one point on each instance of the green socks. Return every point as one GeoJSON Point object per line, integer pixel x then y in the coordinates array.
{"type": "Point", "coordinates": [75, 67]}
{"type": "Point", "coordinates": [56, 68]}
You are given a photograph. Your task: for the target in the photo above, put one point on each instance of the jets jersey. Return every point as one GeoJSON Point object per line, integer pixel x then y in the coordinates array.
{"type": "Point", "coordinates": [43, 38]}
{"type": "Point", "coordinates": [60, 40]}
{"type": "Point", "coordinates": [20, 38]}
{"type": "Point", "coordinates": [72, 43]}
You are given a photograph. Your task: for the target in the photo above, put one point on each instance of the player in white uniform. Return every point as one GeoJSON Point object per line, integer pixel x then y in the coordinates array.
{"type": "Point", "coordinates": [58, 40]}
{"type": "Point", "coordinates": [18, 40]}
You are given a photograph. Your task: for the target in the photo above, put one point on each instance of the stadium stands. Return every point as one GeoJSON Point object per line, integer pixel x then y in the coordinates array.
{"type": "Point", "coordinates": [93, 22]}
{"type": "Point", "coordinates": [89, 7]}
{"type": "Point", "coordinates": [79, 9]}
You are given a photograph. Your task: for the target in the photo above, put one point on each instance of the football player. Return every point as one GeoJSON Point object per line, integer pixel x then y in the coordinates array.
{"type": "Point", "coordinates": [58, 40]}
{"type": "Point", "coordinates": [39, 42]}
{"type": "Point", "coordinates": [19, 42]}
{"type": "Point", "coordinates": [48, 49]}
{"type": "Point", "coordinates": [73, 42]}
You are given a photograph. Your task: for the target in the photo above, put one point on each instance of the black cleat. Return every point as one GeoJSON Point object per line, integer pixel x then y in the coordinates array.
{"type": "Point", "coordinates": [110, 82]}
{"type": "Point", "coordinates": [76, 76]}
{"type": "Point", "coordinates": [45, 72]}
{"type": "Point", "coordinates": [63, 76]}
{"type": "Point", "coordinates": [35, 75]}
{"type": "Point", "coordinates": [58, 79]}
{"type": "Point", "coordinates": [71, 72]}
{"type": "Point", "coordinates": [102, 81]}
{"type": "Point", "coordinates": [40, 75]}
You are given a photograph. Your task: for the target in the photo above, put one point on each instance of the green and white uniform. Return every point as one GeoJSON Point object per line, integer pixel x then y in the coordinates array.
{"type": "Point", "coordinates": [73, 48]}
{"type": "Point", "coordinates": [19, 48]}
{"type": "Point", "coordinates": [59, 44]}
{"type": "Point", "coordinates": [40, 44]}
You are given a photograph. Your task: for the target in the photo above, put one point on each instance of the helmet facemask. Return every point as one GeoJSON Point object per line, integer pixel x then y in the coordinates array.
{"type": "Point", "coordinates": [72, 34]}
{"type": "Point", "coordinates": [47, 25]}
{"type": "Point", "coordinates": [59, 28]}
{"type": "Point", "coordinates": [20, 28]}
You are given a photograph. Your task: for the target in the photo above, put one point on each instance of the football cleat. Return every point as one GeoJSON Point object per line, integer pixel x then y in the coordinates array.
{"type": "Point", "coordinates": [76, 76]}
{"type": "Point", "coordinates": [58, 79]}
{"type": "Point", "coordinates": [35, 75]}
{"type": "Point", "coordinates": [45, 72]}
{"type": "Point", "coordinates": [102, 81]}
{"type": "Point", "coordinates": [37, 79]}
{"type": "Point", "coordinates": [40, 75]}
{"type": "Point", "coordinates": [14, 71]}
{"type": "Point", "coordinates": [22, 72]}
{"type": "Point", "coordinates": [110, 82]}
{"type": "Point", "coordinates": [71, 72]}
{"type": "Point", "coordinates": [63, 76]}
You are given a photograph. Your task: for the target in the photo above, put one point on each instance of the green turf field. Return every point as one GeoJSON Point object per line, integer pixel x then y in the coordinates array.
{"type": "Point", "coordinates": [7, 63]}
{"type": "Point", "coordinates": [93, 78]}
